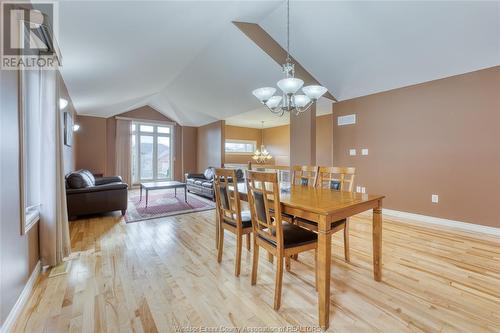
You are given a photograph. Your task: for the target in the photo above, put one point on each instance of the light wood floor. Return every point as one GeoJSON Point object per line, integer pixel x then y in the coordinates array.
{"type": "Point", "coordinates": [154, 275]}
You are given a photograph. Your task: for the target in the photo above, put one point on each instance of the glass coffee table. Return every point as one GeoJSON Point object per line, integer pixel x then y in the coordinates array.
{"type": "Point", "coordinates": [162, 186]}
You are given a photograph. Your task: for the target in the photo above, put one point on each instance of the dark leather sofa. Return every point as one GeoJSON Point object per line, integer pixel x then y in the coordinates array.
{"type": "Point", "coordinates": [86, 194]}
{"type": "Point", "coordinates": [203, 183]}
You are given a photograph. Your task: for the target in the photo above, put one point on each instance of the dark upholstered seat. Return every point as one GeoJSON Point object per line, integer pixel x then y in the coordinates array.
{"type": "Point", "coordinates": [294, 236]}
{"type": "Point", "coordinates": [246, 220]}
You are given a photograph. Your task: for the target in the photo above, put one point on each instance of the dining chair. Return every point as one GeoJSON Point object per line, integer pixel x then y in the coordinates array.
{"type": "Point", "coordinates": [278, 237]}
{"type": "Point", "coordinates": [336, 179]}
{"type": "Point", "coordinates": [304, 175]}
{"type": "Point", "coordinates": [231, 217]}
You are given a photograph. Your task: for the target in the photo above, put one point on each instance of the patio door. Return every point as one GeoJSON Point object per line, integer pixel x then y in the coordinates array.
{"type": "Point", "coordinates": [152, 153]}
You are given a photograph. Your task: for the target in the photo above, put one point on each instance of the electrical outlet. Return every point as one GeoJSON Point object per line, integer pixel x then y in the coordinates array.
{"type": "Point", "coordinates": [364, 151]}
{"type": "Point", "coordinates": [363, 190]}
{"type": "Point", "coordinates": [352, 152]}
{"type": "Point", "coordinates": [435, 198]}
{"type": "Point", "coordinates": [358, 189]}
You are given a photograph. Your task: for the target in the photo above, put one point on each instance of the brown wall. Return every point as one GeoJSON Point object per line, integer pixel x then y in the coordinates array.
{"type": "Point", "coordinates": [440, 137]}
{"type": "Point", "coordinates": [96, 142]}
{"type": "Point", "coordinates": [277, 141]}
{"type": "Point", "coordinates": [242, 133]}
{"type": "Point", "coordinates": [324, 140]}
{"type": "Point", "coordinates": [91, 144]}
{"type": "Point", "coordinates": [19, 254]}
{"type": "Point", "coordinates": [303, 137]}
{"type": "Point", "coordinates": [210, 145]}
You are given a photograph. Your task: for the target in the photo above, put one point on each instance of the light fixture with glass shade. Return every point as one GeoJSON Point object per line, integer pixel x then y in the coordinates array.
{"type": "Point", "coordinates": [289, 101]}
{"type": "Point", "coordinates": [63, 103]}
{"type": "Point", "coordinates": [262, 155]}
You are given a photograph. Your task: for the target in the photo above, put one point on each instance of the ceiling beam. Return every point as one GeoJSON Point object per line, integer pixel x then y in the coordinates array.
{"type": "Point", "coordinates": [263, 40]}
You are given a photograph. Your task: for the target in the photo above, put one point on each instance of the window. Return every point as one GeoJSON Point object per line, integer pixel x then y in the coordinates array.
{"type": "Point", "coordinates": [30, 148]}
{"type": "Point", "coordinates": [244, 147]}
{"type": "Point", "coordinates": [152, 153]}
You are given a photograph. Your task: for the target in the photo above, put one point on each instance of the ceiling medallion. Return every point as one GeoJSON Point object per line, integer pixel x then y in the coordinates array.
{"type": "Point", "coordinates": [289, 101]}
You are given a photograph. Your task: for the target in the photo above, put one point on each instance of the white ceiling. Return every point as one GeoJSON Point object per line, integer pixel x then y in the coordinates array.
{"type": "Point", "coordinates": [188, 61]}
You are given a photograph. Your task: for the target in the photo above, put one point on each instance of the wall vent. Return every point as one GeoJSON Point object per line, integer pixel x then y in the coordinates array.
{"type": "Point", "coordinates": [346, 120]}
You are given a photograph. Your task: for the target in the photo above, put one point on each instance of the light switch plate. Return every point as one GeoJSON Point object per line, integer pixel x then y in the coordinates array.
{"type": "Point", "coordinates": [352, 152]}
{"type": "Point", "coordinates": [435, 198]}
{"type": "Point", "coordinates": [364, 151]}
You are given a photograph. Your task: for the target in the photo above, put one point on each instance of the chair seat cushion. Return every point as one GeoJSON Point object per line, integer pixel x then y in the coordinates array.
{"type": "Point", "coordinates": [332, 225]}
{"type": "Point", "coordinates": [294, 236]}
{"type": "Point", "coordinates": [246, 219]}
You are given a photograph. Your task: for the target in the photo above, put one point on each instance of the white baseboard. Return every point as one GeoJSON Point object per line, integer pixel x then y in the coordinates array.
{"type": "Point", "coordinates": [443, 222]}
{"type": "Point", "coordinates": [22, 300]}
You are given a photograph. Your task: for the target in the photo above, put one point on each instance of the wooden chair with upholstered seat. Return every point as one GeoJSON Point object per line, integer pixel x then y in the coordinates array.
{"type": "Point", "coordinates": [304, 175]}
{"type": "Point", "coordinates": [278, 237]}
{"type": "Point", "coordinates": [336, 179]}
{"type": "Point", "coordinates": [231, 217]}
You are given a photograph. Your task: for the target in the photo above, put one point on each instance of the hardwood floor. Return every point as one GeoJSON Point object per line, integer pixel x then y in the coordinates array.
{"type": "Point", "coordinates": [155, 275]}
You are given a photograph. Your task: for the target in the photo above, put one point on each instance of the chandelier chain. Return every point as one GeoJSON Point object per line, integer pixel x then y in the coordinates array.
{"type": "Point", "coordinates": [288, 30]}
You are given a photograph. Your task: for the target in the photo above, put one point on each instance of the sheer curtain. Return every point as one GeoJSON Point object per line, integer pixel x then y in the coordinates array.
{"type": "Point", "coordinates": [54, 228]}
{"type": "Point", "coordinates": [123, 164]}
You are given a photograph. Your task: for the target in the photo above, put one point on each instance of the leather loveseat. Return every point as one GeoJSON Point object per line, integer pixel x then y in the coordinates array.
{"type": "Point", "coordinates": [86, 194]}
{"type": "Point", "coordinates": [203, 183]}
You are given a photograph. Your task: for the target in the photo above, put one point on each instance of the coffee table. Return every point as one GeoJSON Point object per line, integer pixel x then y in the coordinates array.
{"type": "Point", "coordinates": [161, 186]}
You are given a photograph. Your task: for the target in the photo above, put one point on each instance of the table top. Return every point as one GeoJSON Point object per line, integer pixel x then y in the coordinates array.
{"type": "Point", "coordinates": [162, 185]}
{"type": "Point", "coordinates": [317, 200]}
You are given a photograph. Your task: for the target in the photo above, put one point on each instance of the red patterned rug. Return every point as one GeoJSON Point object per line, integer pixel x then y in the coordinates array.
{"type": "Point", "coordinates": [163, 203]}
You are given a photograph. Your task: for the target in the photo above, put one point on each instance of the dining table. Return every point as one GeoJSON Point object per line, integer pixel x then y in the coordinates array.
{"type": "Point", "coordinates": [325, 206]}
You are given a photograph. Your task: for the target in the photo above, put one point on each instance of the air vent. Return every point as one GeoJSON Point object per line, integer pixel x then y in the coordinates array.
{"type": "Point", "coordinates": [346, 120]}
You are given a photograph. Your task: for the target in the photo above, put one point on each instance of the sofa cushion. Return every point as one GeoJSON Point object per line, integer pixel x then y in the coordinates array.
{"type": "Point", "coordinates": [207, 184]}
{"type": "Point", "coordinates": [89, 175]}
{"type": "Point", "coordinates": [209, 173]}
{"type": "Point", "coordinates": [78, 179]}
{"type": "Point", "coordinates": [198, 181]}
{"type": "Point", "coordinates": [190, 180]}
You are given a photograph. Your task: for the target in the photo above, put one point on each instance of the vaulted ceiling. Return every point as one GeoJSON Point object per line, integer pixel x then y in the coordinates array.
{"type": "Point", "coordinates": [187, 60]}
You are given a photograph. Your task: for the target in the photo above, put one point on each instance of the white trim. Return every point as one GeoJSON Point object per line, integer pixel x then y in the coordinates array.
{"type": "Point", "coordinates": [147, 121]}
{"type": "Point", "coordinates": [22, 300]}
{"type": "Point", "coordinates": [442, 222]}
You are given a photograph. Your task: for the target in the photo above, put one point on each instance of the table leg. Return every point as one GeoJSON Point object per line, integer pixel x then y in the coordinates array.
{"type": "Point", "coordinates": [324, 266]}
{"type": "Point", "coordinates": [377, 242]}
{"type": "Point", "coordinates": [147, 196]}
{"type": "Point", "coordinates": [140, 199]}
{"type": "Point", "coordinates": [185, 195]}
{"type": "Point", "coordinates": [175, 192]}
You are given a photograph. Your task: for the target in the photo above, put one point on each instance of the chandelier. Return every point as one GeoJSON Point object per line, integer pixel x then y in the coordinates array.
{"type": "Point", "coordinates": [262, 155]}
{"type": "Point", "coordinates": [289, 101]}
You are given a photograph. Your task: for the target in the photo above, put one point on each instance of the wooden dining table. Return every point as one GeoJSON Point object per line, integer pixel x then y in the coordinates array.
{"type": "Point", "coordinates": [325, 206]}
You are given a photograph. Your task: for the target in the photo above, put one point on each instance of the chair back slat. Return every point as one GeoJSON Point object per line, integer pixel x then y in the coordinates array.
{"type": "Point", "coordinates": [264, 196]}
{"type": "Point", "coordinates": [226, 196]}
{"type": "Point", "coordinates": [337, 178]}
{"type": "Point", "coordinates": [304, 175]}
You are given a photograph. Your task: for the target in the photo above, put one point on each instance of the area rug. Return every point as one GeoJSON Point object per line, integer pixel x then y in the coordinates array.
{"type": "Point", "coordinates": [163, 203]}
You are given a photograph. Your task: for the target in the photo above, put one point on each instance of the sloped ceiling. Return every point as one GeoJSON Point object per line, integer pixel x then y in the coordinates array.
{"type": "Point", "coordinates": [187, 60]}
